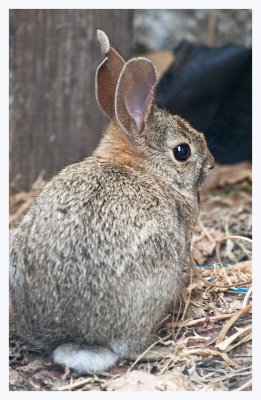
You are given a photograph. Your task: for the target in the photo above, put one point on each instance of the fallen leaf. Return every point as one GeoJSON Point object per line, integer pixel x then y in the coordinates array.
{"type": "Point", "coordinates": [34, 366]}
{"type": "Point", "coordinates": [203, 246]}
{"type": "Point", "coordinates": [15, 378]}
{"type": "Point", "coordinates": [140, 381]}
{"type": "Point", "coordinates": [244, 266]}
{"type": "Point", "coordinates": [229, 174]}
{"type": "Point", "coordinates": [120, 370]}
{"type": "Point", "coordinates": [194, 311]}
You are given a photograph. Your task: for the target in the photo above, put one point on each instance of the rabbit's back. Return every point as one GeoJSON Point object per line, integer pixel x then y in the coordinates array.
{"type": "Point", "coordinates": [101, 248]}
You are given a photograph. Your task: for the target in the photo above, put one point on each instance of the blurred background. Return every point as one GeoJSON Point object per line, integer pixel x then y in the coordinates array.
{"type": "Point", "coordinates": [203, 58]}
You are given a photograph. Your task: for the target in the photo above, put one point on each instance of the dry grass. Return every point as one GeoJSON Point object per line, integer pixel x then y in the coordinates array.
{"type": "Point", "coordinates": [20, 202]}
{"type": "Point", "coordinates": [206, 343]}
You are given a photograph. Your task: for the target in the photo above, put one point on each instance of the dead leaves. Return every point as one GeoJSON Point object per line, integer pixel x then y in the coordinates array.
{"type": "Point", "coordinates": [231, 322]}
{"type": "Point", "coordinates": [243, 267]}
{"type": "Point", "coordinates": [204, 243]}
{"type": "Point", "coordinates": [20, 203]}
{"type": "Point", "coordinates": [143, 381]}
{"type": "Point", "coordinates": [211, 233]}
{"type": "Point", "coordinates": [211, 342]}
{"type": "Point", "coordinates": [223, 175]}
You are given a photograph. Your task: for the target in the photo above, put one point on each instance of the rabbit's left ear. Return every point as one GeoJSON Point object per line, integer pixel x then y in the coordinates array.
{"type": "Point", "coordinates": [107, 76]}
{"type": "Point", "coordinates": [135, 94]}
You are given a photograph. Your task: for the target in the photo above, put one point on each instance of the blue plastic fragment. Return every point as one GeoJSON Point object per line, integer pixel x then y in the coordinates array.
{"type": "Point", "coordinates": [239, 290]}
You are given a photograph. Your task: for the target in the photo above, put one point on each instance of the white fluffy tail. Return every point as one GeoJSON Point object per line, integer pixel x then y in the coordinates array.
{"type": "Point", "coordinates": [83, 359]}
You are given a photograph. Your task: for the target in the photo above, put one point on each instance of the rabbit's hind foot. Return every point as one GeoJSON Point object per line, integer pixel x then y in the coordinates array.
{"type": "Point", "coordinates": [84, 359]}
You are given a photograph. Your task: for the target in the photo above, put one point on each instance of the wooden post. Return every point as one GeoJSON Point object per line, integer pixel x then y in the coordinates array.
{"type": "Point", "coordinates": [54, 117]}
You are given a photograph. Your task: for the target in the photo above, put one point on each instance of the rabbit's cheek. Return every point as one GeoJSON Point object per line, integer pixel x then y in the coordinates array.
{"type": "Point", "coordinates": [202, 179]}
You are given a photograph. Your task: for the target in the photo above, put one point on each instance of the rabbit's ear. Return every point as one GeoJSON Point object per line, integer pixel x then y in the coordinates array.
{"type": "Point", "coordinates": [135, 94]}
{"type": "Point", "coordinates": [107, 76]}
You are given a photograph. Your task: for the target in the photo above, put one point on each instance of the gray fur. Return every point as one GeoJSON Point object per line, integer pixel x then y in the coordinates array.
{"type": "Point", "coordinates": [97, 259]}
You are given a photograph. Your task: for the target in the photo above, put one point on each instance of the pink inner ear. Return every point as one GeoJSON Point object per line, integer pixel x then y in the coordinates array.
{"type": "Point", "coordinates": [138, 107]}
{"type": "Point", "coordinates": [139, 96]}
{"type": "Point", "coordinates": [135, 94]}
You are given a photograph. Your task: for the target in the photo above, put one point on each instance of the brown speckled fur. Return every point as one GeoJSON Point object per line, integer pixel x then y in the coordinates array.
{"type": "Point", "coordinates": [98, 256]}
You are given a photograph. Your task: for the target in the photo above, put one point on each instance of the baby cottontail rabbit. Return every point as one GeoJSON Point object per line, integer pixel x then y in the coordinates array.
{"type": "Point", "coordinates": [97, 259]}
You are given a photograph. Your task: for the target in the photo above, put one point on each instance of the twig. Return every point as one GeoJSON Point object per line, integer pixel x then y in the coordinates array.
{"type": "Point", "coordinates": [219, 241]}
{"type": "Point", "coordinates": [225, 343]}
{"type": "Point", "coordinates": [146, 351]}
{"type": "Point", "coordinates": [200, 320]}
{"type": "Point", "coordinates": [76, 384]}
{"type": "Point", "coordinates": [245, 386]}
{"type": "Point", "coordinates": [177, 319]}
{"type": "Point", "coordinates": [231, 322]}
{"type": "Point", "coordinates": [186, 304]}
{"type": "Point", "coordinates": [205, 352]}
{"type": "Point", "coordinates": [247, 296]}
{"type": "Point", "coordinates": [206, 232]}
{"type": "Point", "coordinates": [245, 339]}
{"type": "Point", "coordinates": [166, 366]}
{"type": "Point", "coordinates": [239, 372]}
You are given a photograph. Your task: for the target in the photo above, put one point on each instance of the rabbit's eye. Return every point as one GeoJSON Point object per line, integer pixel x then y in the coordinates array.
{"type": "Point", "coordinates": [182, 152]}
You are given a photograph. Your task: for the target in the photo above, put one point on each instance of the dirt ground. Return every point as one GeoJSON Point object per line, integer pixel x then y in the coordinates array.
{"type": "Point", "coordinates": [203, 345]}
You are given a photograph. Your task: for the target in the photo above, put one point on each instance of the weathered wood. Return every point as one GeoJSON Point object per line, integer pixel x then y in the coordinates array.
{"type": "Point", "coordinates": [54, 117]}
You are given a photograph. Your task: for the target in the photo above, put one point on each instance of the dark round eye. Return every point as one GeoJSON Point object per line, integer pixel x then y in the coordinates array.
{"type": "Point", "coordinates": [182, 152]}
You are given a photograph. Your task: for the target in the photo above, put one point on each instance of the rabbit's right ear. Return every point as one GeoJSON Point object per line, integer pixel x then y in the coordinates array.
{"type": "Point", "coordinates": [135, 94]}
{"type": "Point", "coordinates": [107, 76]}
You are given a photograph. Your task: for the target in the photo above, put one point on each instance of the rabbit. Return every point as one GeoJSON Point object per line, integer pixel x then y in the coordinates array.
{"type": "Point", "coordinates": [97, 260]}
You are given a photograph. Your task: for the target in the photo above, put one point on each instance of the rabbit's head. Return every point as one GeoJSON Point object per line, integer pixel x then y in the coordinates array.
{"type": "Point", "coordinates": [141, 134]}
